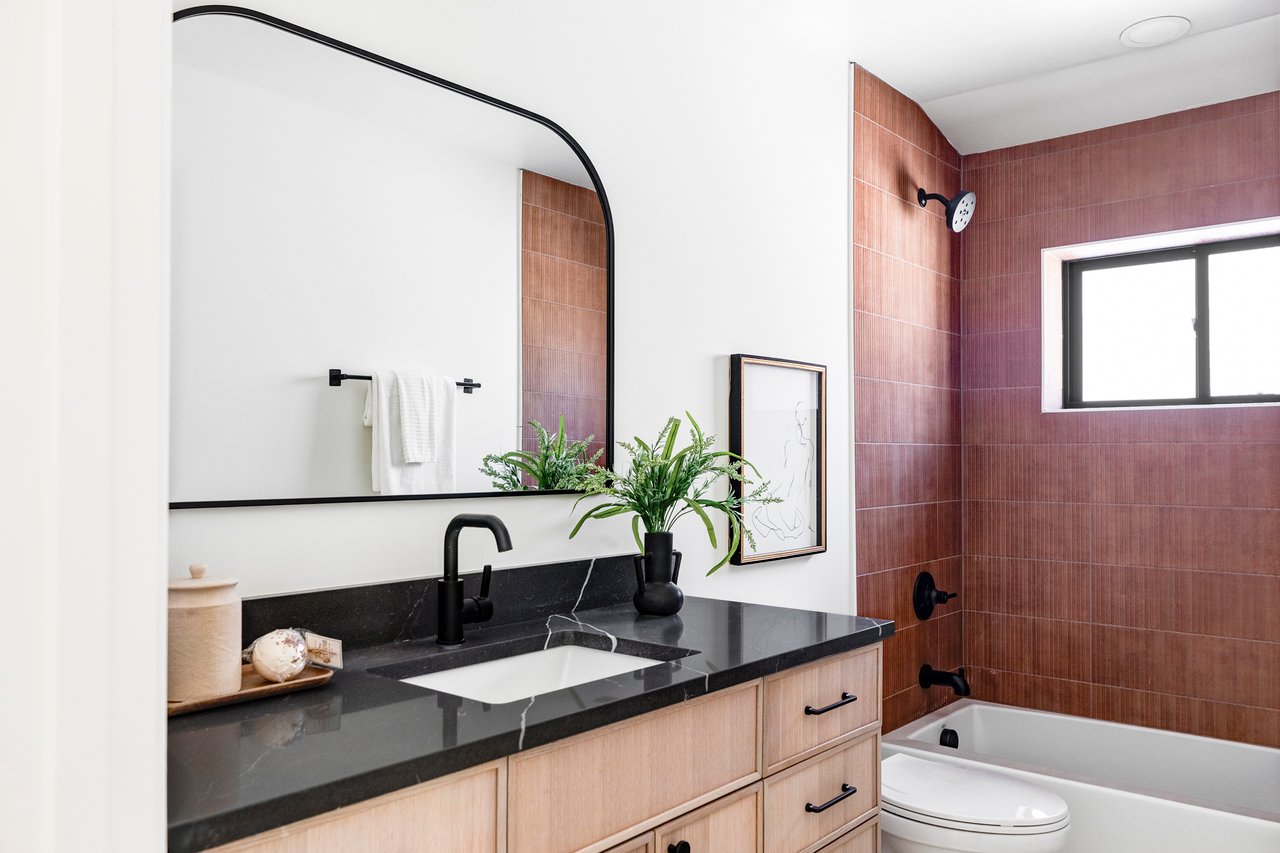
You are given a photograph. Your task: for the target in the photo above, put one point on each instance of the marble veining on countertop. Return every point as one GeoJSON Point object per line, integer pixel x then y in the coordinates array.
{"type": "Point", "coordinates": [243, 769]}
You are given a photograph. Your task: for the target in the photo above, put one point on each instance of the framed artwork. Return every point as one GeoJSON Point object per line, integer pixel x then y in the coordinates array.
{"type": "Point", "coordinates": [778, 423]}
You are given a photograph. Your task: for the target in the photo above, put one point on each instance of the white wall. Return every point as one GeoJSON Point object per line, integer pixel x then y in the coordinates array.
{"type": "Point", "coordinates": [84, 271]}
{"type": "Point", "coordinates": [721, 133]}
{"type": "Point", "coordinates": [333, 243]}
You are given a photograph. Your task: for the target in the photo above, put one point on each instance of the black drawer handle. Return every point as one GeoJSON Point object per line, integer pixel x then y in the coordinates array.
{"type": "Point", "coordinates": [682, 847]}
{"type": "Point", "coordinates": [846, 791]}
{"type": "Point", "coordinates": [845, 699]}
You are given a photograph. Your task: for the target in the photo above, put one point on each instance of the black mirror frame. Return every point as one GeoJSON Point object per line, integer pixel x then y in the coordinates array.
{"type": "Point", "coordinates": [335, 44]}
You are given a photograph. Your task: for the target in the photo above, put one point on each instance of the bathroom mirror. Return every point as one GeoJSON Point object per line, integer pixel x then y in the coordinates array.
{"type": "Point", "coordinates": [337, 211]}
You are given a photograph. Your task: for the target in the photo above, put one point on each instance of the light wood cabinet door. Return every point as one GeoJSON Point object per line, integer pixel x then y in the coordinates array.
{"type": "Point", "coordinates": [597, 789]}
{"type": "Point", "coordinates": [461, 812]}
{"type": "Point", "coordinates": [641, 844]}
{"type": "Point", "coordinates": [801, 809]}
{"type": "Point", "coordinates": [731, 824]}
{"type": "Point", "coordinates": [792, 735]}
{"type": "Point", "coordinates": [864, 839]}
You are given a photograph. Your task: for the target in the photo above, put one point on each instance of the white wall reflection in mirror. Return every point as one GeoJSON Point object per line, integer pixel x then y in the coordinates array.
{"type": "Point", "coordinates": [333, 213]}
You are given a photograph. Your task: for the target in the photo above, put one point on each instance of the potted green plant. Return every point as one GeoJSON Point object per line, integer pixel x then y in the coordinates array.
{"type": "Point", "coordinates": [663, 485]}
{"type": "Point", "coordinates": [558, 463]}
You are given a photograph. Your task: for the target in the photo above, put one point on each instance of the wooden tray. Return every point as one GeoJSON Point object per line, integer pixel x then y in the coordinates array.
{"type": "Point", "coordinates": [254, 686]}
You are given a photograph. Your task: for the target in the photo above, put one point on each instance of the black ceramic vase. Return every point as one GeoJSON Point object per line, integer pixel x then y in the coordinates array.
{"type": "Point", "coordinates": [657, 571]}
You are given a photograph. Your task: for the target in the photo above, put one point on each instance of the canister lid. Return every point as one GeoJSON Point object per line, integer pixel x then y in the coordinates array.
{"type": "Point", "coordinates": [199, 581]}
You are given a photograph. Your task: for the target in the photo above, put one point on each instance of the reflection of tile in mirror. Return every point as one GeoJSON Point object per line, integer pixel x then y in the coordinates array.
{"type": "Point", "coordinates": [564, 303]}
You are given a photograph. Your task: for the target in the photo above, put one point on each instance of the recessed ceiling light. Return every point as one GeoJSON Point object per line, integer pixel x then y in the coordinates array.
{"type": "Point", "coordinates": [1155, 31]}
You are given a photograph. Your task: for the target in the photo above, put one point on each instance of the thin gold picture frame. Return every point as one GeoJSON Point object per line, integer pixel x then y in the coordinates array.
{"type": "Point", "coordinates": [739, 363]}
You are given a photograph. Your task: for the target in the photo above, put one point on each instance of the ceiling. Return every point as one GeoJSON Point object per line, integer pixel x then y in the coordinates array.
{"type": "Point", "coordinates": [994, 73]}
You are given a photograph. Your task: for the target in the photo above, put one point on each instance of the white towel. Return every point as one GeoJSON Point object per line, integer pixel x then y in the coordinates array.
{"type": "Point", "coordinates": [415, 393]}
{"type": "Point", "coordinates": [390, 473]}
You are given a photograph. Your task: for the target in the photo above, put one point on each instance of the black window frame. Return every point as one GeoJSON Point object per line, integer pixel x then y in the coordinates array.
{"type": "Point", "coordinates": [1072, 326]}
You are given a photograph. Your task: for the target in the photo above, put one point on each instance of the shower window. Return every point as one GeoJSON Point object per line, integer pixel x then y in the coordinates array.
{"type": "Point", "coordinates": [1188, 326]}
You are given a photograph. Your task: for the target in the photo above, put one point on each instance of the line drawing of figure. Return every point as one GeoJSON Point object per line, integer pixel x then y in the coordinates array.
{"type": "Point", "coordinates": [790, 519]}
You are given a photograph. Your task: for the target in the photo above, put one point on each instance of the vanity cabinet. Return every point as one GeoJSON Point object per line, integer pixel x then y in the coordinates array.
{"type": "Point", "coordinates": [732, 823]}
{"type": "Point", "coordinates": [784, 764]}
{"type": "Point", "coordinates": [597, 789]}
{"type": "Point", "coordinates": [461, 813]}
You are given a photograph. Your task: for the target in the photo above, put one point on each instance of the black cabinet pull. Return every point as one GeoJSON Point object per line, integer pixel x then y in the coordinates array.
{"type": "Point", "coordinates": [845, 699]}
{"type": "Point", "coordinates": [682, 847]}
{"type": "Point", "coordinates": [846, 790]}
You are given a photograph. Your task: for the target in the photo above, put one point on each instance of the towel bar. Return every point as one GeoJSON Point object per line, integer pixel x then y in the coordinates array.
{"type": "Point", "coordinates": [336, 376]}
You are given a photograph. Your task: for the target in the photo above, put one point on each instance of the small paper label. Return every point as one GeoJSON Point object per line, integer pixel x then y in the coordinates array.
{"type": "Point", "coordinates": [324, 651]}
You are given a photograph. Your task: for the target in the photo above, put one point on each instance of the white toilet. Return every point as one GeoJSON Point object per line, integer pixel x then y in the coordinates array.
{"type": "Point", "coordinates": [934, 806]}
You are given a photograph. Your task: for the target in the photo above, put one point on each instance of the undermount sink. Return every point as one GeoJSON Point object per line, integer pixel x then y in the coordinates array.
{"type": "Point", "coordinates": [530, 674]}
{"type": "Point", "coordinates": [532, 666]}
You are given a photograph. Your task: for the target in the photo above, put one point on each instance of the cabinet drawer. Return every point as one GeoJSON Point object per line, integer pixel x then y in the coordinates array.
{"type": "Point", "coordinates": [598, 789]}
{"type": "Point", "coordinates": [864, 839]}
{"type": "Point", "coordinates": [457, 813]}
{"type": "Point", "coordinates": [729, 825]}
{"type": "Point", "coordinates": [792, 826]}
{"type": "Point", "coordinates": [791, 734]}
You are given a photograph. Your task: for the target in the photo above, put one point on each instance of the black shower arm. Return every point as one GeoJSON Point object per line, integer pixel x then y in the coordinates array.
{"type": "Point", "coordinates": [924, 197]}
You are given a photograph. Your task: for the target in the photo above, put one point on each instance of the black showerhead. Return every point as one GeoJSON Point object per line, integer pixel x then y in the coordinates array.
{"type": "Point", "coordinates": [959, 209]}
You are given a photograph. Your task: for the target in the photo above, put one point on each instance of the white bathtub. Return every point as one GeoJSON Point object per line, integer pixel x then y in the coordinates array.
{"type": "Point", "coordinates": [1130, 789]}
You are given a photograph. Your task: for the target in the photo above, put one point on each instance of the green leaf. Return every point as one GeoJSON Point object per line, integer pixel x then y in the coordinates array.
{"type": "Point", "coordinates": [706, 519]}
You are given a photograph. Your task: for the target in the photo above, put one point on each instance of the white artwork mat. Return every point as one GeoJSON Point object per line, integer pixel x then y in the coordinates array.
{"type": "Point", "coordinates": [781, 432]}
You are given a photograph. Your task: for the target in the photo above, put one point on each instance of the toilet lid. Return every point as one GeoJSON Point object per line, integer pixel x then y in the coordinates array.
{"type": "Point", "coordinates": [950, 794]}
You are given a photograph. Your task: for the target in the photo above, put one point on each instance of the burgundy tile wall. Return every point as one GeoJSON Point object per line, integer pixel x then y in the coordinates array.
{"type": "Point", "coordinates": [907, 384]}
{"type": "Point", "coordinates": [563, 309]}
{"type": "Point", "coordinates": [1121, 565]}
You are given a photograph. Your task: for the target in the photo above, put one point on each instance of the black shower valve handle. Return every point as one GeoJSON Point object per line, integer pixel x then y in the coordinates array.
{"type": "Point", "coordinates": [925, 595]}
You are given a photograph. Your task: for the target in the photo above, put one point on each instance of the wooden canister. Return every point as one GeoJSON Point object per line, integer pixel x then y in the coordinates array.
{"type": "Point", "coordinates": [204, 637]}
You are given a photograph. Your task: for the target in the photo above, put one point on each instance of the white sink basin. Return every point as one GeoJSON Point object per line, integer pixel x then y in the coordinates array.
{"type": "Point", "coordinates": [522, 676]}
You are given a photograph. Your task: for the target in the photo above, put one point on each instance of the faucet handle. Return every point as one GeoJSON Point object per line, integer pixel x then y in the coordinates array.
{"type": "Point", "coordinates": [484, 581]}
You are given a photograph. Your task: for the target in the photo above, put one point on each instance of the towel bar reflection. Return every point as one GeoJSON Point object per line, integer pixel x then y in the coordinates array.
{"type": "Point", "coordinates": [336, 376]}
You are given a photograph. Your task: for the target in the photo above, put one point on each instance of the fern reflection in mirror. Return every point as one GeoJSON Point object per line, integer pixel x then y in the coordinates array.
{"type": "Point", "coordinates": [558, 463]}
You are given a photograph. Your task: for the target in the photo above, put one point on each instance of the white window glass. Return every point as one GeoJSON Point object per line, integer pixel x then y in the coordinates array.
{"type": "Point", "coordinates": [1244, 310]}
{"type": "Point", "coordinates": [1138, 339]}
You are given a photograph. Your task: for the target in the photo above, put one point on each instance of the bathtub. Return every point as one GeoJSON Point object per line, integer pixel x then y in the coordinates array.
{"type": "Point", "coordinates": [1130, 789]}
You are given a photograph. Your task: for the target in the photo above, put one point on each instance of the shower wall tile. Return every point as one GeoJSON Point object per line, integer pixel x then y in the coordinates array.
{"type": "Point", "coordinates": [1254, 199]}
{"type": "Point", "coordinates": [1041, 588]}
{"type": "Point", "coordinates": [875, 100]}
{"type": "Point", "coordinates": [1027, 472]}
{"type": "Point", "coordinates": [890, 287]}
{"type": "Point", "coordinates": [1119, 564]}
{"type": "Point", "coordinates": [907, 378]}
{"type": "Point", "coordinates": [1215, 604]}
{"type": "Point", "coordinates": [936, 641]}
{"type": "Point", "coordinates": [1211, 539]}
{"type": "Point", "coordinates": [896, 412]}
{"type": "Point", "coordinates": [1201, 667]}
{"type": "Point", "coordinates": [1184, 714]}
{"type": "Point", "coordinates": [1057, 695]}
{"type": "Point", "coordinates": [897, 536]}
{"type": "Point", "coordinates": [897, 474]}
{"type": "Point", "coordinates": [1051, 648]}
{"type": "Point", "coordinates": [1013, 416]}
{"type": "Point", "coordinates": [1002, 359]}
{"type": "Point", "coordinates": [900, 352]}
{"type": "Point", "coordinates": [1037, 531]}
{"type": "Point", "coordinates": [1002, 303]}
{"type": "Point", "coordinates": [891, 590]}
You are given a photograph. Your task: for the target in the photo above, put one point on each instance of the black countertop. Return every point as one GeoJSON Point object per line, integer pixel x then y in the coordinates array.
{"type": "Point", "coordinates": [242, 769]}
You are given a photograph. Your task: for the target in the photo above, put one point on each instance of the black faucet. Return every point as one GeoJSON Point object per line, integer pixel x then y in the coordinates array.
{"type": "Point", "coordinates": [930, 677]}
{"type": "Point", "coordinates": [452, 610]}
